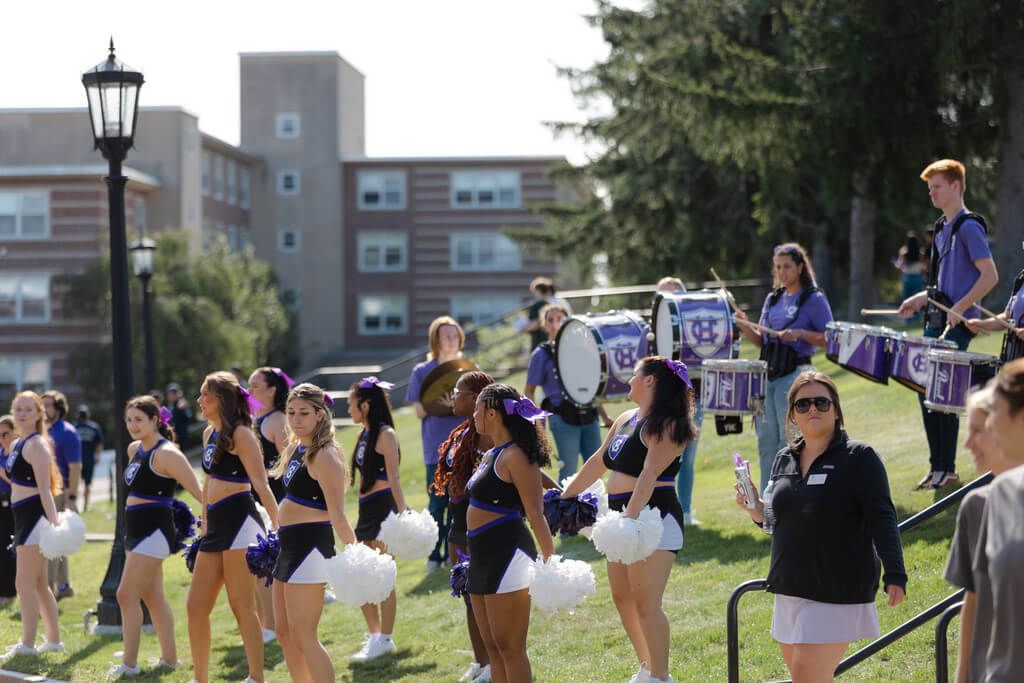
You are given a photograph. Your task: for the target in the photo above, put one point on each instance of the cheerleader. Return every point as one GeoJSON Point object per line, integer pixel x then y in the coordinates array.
{"type": "Point", "coordinates": [7, 561]}
{"type": "Point", "coordinates": [462, 452]}
{"type": "Point", "coordinates": [506, 485]}
{"type": "Point", "coordinates": [376, 457]}
{"type": "Point", "coordinates": [312, 511]}
{"type": "Point", "coordinates": [31, 469]}
{"type": "Point", "coordinates": [234, 467]}
{"type": "Point", "coordinates": [270, 387]}
{"type": "Point", "coordinates": [643, 451]}
{"type": "Point", "coordinates": [155, 466]}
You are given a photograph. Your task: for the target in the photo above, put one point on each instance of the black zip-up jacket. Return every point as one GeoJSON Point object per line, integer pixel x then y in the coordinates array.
{"type": "Point", "coordinates": [832, 526]}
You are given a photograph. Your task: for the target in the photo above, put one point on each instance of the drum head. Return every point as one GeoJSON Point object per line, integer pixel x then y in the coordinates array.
{"type": "Point", "coordinates": [577, 361]}
{"type": "Point", "coordinates": [666, 327]}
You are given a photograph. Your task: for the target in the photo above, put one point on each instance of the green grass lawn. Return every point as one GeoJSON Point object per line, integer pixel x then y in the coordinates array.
{"type": "Point", "coordinates": [721, 553]}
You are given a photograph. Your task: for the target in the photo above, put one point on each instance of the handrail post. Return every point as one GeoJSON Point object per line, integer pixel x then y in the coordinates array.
{"type": "Point", "coordinates": [941, 645]}
{"type": "Point", "coordinates": [732, 625]}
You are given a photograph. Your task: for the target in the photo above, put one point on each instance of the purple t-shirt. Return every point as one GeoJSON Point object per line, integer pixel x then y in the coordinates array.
{"type": "Point", "coordinates": [813, 315]}
{"type": "Point", "coordinates": [957, 272]}
{"type": "Point", "coordinates": [68, 445]}
{"type": "Point", "coordinates": [4, 486]}
{"type": "Point", "coordinates": [433, 430]}
{"type": "Point", "coordinates": [1015, 306]}
{"type": "Point", "coordinates": [541, 373]}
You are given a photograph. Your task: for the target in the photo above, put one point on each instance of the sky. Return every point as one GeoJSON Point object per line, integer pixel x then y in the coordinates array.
{"type": "Point", "coordinates": [443, 77]}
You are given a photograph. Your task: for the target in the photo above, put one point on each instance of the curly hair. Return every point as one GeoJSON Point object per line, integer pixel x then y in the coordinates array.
{"type": "Point", "coordinates": [524, 433]}
{"type": "Point", "coordinates": [451, 480]}
{"type": "Point", "coordinates": [149, 406]}
{"type": "Point", "coordinates": [378, 413]}
{"type": "Point", "coordinates": [673, 406]}
{"type": "Point", "coordinates": [233, 409]}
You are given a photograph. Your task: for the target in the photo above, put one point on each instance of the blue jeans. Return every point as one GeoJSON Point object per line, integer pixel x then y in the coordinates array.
{"type": "Point", "coordinates": [438, 506]}
{"type": "Point", "coordinates": [771, 429]}
{"type": "Point", "coordinates": [942, 428]}
{"type": "Point", "coordinates": [684, 480]}
{"type": "Point", "coordinates": [572, 441]}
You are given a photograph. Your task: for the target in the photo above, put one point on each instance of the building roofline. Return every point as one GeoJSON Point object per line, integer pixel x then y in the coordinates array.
{"type": "Point", "coordinates": [82, 110]}
{"type": "Point", "coordinates": [76, 171]}
{"type": "Point", "coordinates": [300, 54]}
{"type": "Point", "coordinates": [235, 149]}
{"type": "Point", "coordinates": [469, 159]}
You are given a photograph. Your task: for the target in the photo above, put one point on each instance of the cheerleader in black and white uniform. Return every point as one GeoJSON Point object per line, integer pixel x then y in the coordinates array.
{"type": "Point", "coordinates": [234, 467]}
{"type": "Point", "coordinates": [155, 466]}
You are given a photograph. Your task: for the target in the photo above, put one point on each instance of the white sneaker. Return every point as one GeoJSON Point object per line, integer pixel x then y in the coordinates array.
{"type": "Point", "coordinates": [123, 669]}
{"type": "Point", "coordinates": [269, 636]}
{"type": "Point", "coordinates": [18, 648]}
{"type": "Point", "coordinates": [375, 646]}
{"type": "Point", "coordinates": [329, 596]}
{"type": "Point", "coordinates": [690, 519]}
{"type": "Point", "coordinates": [472, 672]}
{"type": "Point", "coordinates": [484, 677]}
{"type": "Point", "coordinates": [52, 647]}
{"type": "Point", "coordinates": [641, 676]}
{"type": "Point", "coordinates": [161, 664]}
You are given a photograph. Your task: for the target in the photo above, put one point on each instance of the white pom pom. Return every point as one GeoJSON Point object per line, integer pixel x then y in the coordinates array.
{"type": "Point", "coordinates": [598, 489]}
{"type": "Point", "coordinates": [360, 574]}
{"type": "Point", "coordinates": [410, 535]}
{"type": "Point", "coordinates": [560, 583]}
{"type": "Point", "coordinates": [265, 516]}
{"type": "Point", "coordinates": [63, 539]}
{"type": "Point", "coordinates": [625, 540]}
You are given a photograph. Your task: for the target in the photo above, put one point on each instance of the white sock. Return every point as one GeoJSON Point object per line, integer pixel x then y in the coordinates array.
{"type": "Point", "coordinates": [384, 637]}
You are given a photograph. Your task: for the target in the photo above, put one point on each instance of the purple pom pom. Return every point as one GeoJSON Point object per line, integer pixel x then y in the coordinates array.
{"type": "Point", "coordinates": [552, 498]}
{"type": "Point", "coordinates": [459, 580]}
{"type": "Point", "coordinates": [184, 524]}
{"type": "Point", "coordinates": [569, 515]}
{"type": "Point", "coordinates": [261, 557]}
{"type": "Point", "coordinates": [190, 553]}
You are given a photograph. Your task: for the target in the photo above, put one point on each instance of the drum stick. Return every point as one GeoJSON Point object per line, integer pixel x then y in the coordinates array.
{"type": "Point", "coordinates": [728, 295]}
{"type": "Point", "coordinates": [879, 311]}
{"type": "Point", "coordinates": [951, 312]}
{"type": "Point", "coordinates": [759, 328]}
{"type": "Point", "coordinates": [995, 316]}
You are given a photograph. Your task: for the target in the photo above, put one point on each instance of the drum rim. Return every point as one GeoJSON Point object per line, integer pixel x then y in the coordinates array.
{"type": "Point", "coordinates": [845, 325]}
{"type": "Point", "coordinates": [586, 319]}
{"type": "Point", "coordinates": [734, 362]}
{"type": "Point", "coordinates": [673, 312]}
{"type": "Point", "coordinates": [958, 354]}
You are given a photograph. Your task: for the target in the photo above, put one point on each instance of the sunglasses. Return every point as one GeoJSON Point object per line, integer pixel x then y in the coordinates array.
{"type": "Point", "coordinates": [820, 403]}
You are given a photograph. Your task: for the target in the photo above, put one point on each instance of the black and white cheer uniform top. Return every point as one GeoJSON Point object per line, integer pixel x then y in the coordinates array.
{"type": "Point", "coordinates": [228, 468]}
{"type": "Point", "coordinates": [488, 491]}
{"type": "Point", "coordinates": [143, 481]}
{"type": "Point", "coordinates": [627, 452]}
{"type": "Point", "coordinates": [19, 470]}
{"type": "Point", "coordinates": [377, 466]}
{"type": "Point", "coordinates": [299, 486]}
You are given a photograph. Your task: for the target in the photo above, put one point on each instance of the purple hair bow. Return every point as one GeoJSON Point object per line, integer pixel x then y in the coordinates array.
{"type": "Point", "coordinates": [372, 381]}
{"type": "Point", "coordinates": [165, 415]}
{"type": "Point", "coordinates": [682, 373]}
{"type": "Point", "coordinates": [525, 409]}
{"type": "Point", "coordinates": [327, 399]}
{"type": "Point", "coordinates": [288, 381]}
{"type": "Point", "coordinates": [254, 405]}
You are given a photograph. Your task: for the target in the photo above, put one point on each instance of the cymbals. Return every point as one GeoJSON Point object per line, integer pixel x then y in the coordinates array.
{"type": "Point", "coordinates": [439, 384]}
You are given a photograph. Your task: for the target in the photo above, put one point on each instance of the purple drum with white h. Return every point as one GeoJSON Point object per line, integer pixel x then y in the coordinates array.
{"type": "Point", "coordinates": [692, 327]}
{"type": "Point", "coordinates": [861, 349]}
{"type": "Point", "coordinates": [596, 353]}
{"type": "Point", "coordinates": [734, 387]}
{"type": "Point", "coordinates": [908, 362]}
{"type": "Point", "coordinates": [951, 374]}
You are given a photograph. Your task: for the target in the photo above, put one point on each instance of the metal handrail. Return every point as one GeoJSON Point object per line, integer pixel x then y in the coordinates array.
{"type": "Point", "coordinates": [732, 608]}
{"type": "Point", "coordinates": [941, 646]}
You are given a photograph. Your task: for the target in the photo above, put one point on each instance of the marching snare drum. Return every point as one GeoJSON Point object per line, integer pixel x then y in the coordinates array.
{"type": "Point", "coordinates": [734, 387]}
{"type": "Point", "coordinates": [595, 355]}
{"type": "Point", "coordinates": [861, 349]}
{"type": "Point", "coordinates": [691, 327]}
{"type": "Point", "coordinates": [908, 362]}
{"type": "Point", "coordinates": [951, 374]}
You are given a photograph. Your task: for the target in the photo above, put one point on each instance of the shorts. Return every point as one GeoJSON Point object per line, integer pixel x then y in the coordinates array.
{"type": "Point", "coordinates": [149, 530]}
{"type": "Point", "coordinates": [458, 532]}
{"type": "Point", "coordinates": [232, 523]}
{"type": "Point", "coordinates": [798, 620]}
{"type": "Point", "coordinates": [28, 520]}
{"type": "Point", "coordinates": [304, 552]}
{"type": "Point", "coordinates": [88, 465]}
{"type": "Point", "coordinates": [373, 510]}
{"type": "Point", "coordinates": [500, 557]}
{"type": "Point", "coordinates": [665, 500]}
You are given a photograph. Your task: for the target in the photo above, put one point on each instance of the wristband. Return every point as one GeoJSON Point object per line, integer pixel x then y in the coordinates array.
{"type": "Point", "coordinates": [72, 497]}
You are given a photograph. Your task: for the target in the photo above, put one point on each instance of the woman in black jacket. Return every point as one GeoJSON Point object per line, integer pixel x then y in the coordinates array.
{"type": "Point", "coordinates": [828, 509]}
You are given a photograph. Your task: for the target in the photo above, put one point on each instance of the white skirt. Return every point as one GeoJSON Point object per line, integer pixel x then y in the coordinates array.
{"type": "Point", "coordinates": [796, 620]}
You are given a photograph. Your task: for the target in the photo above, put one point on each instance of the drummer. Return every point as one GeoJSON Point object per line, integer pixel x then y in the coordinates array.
{"type": "Point", "coordinates": [799, 312]}
{"type": "Point", "coordinates": [1013, 340]}
{"type": "Point", "coordinates": [446, 339]}
{"type": "Point", "coordinates": [574, 428]}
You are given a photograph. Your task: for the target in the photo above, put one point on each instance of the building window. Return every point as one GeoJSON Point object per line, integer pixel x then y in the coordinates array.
{"type": "Point", "coordinates": [232, 182]}
{"type": "Point", "coordinates": [232, 238]}
{"type": "Point", "coordinates": [291, 297]}
{"type": "Point", "coordinates": [24, 214]}
{"type": "Point", "coordinates": [289, 240]}
{"type": "Point", "coordinates": [382, 251]}
{"type": "Point", "coordinates": [140, 214]}
{"type": "Point", "coordinates": [381, 190]}
{"type": "Point", "coordinates": [24, 298]}
{"type": "Point", "coordinates": [288, 182]}
{"type": "Point", "coordinates": [485, 251]}
{"type": "Point", "coordinates": [22, 374]}
{"type": "Point", "coordinates": [243, 239]}
{"type": "Point", "coordinates": [243, 187]}
{"type": "Point", "coordinates": [485, 189]}
{"type": "Point", "coordinates": [382, 314]}
{"type": "Point", "coordinates": [483, 309]}
{"type": "Point", "coordinates": [207, 233]}
{"type": "Point", "coordinates": [288, 127]}
{"type": "Point", "coordinates": [206, 174]}
{"type": "Point", "coordinates": [218, 178]}
{"type": "Point", "coordinates": [221, 235]}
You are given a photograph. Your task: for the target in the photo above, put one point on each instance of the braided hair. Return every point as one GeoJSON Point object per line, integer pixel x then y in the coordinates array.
{"type": "Point", "coordinates": [451, 480]}
{"type": "Point", "coordinates": [524, 433]}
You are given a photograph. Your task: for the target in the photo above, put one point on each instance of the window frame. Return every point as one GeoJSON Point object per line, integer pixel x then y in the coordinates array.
{"type": "Point", "coordinates": [19, 299]}
{"type": "Point", "coordinates": [365, 176]}
{"type": "Point", "coordinates": [484, 179]}
{"type": "Point", "coordinates": [20, 197]}
{"type": "Point", "coordinates": [281, 175]}
{"type": "Point", "coordinates": [284, 249]}
{"type": "Point", "coordinates": [384, 240]}
{"type": "Point", "coordinates": [477, 266]}
{"type": "Point", "coordinates": [20, 361]}
{"type": "Point", "coordinates": [366, 332]}
{"type": "Point", "coordinates": [515, 301]}
{"type": "Point", "coordinates": [281, 118]}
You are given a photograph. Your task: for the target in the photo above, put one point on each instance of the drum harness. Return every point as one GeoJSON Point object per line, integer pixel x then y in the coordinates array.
{"type": "Point", "coordinates": [567, 411]}
{"type": "Point", "coordinates": [934, 317]}
{"type": "Point", "coordinates": [1013, 346]}
{"type": "Point", "coordinates": [781, 357]}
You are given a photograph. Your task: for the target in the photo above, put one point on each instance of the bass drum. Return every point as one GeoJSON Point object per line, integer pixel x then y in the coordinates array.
{"type": "Point", "coordinates": [692, 327]}
{"type": "Point", "coordinates": [595, 355]}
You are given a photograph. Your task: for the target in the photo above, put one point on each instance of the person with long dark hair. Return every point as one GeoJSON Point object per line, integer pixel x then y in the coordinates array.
{"type": "Point", "coordinates": [643, 452]}
{"type": "Point", "coordinates": [505, 487]}
{"type": "Point", "coordinates": [31, 469]}
{"type": "Point", "coordinates": [234, 467]}
{"type": "Point", "coordinates": [8, 564]}
{"type": "Point", "coordinates": [376, 458]}
{"type": "Point", "coordinates": [312, 512]}
{"type": "Point", "coordinates": [461, 452]}
{"type": "Point", "coordinates": [799, 311]}
{"type": "Point", "coordinates": [155, 466]}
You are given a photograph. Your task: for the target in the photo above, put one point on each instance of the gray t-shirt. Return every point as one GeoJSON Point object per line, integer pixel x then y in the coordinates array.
{"type": "Point", "coordinates": [959, 573]}
{"type": "Point", "coordinates": [998, 561]}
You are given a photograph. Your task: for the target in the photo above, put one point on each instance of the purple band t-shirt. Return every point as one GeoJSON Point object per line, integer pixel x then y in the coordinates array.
{"type": "Point", "coordinates": [541, 373]}
{"type": "Point", "coordinates": [4, 486]}
{"type": "Point", "coordinates": [813, 315]}
{"type": "Point", "coordinates": [433, 430]}
{"type": "Point", "coordinates": [68, 445]}
{"type": "Point", "coordinates": [957, 272]}
{"type": "Point", "coordinates": [1015, 306]}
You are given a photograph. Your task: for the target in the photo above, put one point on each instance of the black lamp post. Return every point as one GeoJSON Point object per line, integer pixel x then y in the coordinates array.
{"type": "Point", "coordinates": [113, 92]}
{"type": "Point", "coordinates": [143, 251]}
